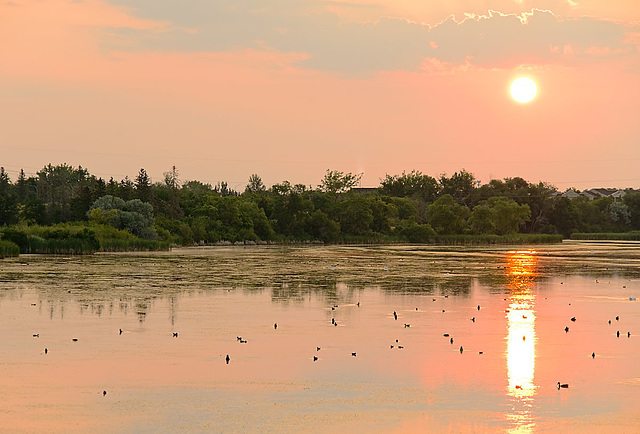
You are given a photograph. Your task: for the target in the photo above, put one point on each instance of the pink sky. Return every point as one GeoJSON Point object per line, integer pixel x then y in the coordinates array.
{"type": "Point", "coordinates": [289, 88]}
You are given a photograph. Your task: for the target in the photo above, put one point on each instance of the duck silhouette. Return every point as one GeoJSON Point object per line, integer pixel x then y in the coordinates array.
{"type": "Point", "coordinates": [562, 385]}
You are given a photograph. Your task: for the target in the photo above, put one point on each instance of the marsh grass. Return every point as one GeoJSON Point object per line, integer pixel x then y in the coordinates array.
{"type": "Point", "coordinates": [77, 239]}
{"type": "Point", "coordinates": [604, 236]}
{"type": "Point", "coordinates": [473, 240]}
{"type": "Point", "coordinates": [8, 249]}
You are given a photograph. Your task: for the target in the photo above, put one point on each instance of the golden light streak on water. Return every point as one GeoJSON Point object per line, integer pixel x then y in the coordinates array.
{"type": "Point", "coordinates": [521, 337]}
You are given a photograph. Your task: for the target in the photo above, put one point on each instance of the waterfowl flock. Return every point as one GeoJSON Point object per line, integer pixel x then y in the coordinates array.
{"type": "Point", "coordinates": [335, 309]}
{"type": "Point", "coordinates": [464, 345]}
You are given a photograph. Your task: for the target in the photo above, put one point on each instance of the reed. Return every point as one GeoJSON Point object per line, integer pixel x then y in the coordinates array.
{"type": "Point", "coordinates": [8, 249]}
{"type": "Point", "coordinates": [132, 245]}
{"type": "Point", "coordinates": [78, 239]}
{"type": "Point", "coordinates": [606, 236]}
{"type": "Point", "coordinates": [475, 240]}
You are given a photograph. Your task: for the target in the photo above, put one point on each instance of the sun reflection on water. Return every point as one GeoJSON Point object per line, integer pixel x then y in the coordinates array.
{"type": "Point", "coordinates": [521, 337]}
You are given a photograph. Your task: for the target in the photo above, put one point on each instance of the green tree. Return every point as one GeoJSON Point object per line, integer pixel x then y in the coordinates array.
{"type": "Point", "coordinates": [57, 186]}
{"type": "Point", "coordinates": [632, 201]}
{"type": "Point", "coordinates": [460, 186]}
{"type": "Point", "coordinates": [335, 181]}
{"type": "Point", "coordinates": [321, 227]}
{"type": "Point", "coordinates": [142, 186]}
{"type": "Point", "coordinates": [564, 216]}
{"type": "Point", "coordinates": [447, 217]}
{"type": "Point", "coordinates": [619, 215]}
{"type": "Point", "coordinates": [505, 213]}
{"type": "Point", "coordinates": [133, 215]}
{"type": "Point", "coordinates": [255, 185]}
{"type": "Point", "coordinates": [482, 220]}
{"type": "Point", "coordinates": [418, 233]}
{"type": "Point", "coordinates": [413, 185]}
{"type": "Point", "coordinates": [356, 216]}
{"type": "Point", "coordinates": [8, 200]}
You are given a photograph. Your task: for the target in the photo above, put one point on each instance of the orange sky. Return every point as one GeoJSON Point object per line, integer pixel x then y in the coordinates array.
{"type": "Point", "coordinates": [290, 88]}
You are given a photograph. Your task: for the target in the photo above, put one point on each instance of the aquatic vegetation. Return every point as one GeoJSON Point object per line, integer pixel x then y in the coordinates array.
{"type": "Point", "coordinates": [78, 238]}
{"type": "Point", "coordinates": [466, 240]}
{"type": "Point", "coordinates": [613, 236]}
{"type": "Point", "coordinates": [8, 249]}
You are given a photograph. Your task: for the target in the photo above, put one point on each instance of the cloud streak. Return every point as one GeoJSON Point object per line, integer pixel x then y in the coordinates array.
{"type": "Point", "coordinates": [491, 40]}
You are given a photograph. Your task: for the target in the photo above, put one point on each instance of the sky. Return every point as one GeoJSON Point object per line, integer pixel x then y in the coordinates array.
{"type": "Point", "coordinates": [288, 89]}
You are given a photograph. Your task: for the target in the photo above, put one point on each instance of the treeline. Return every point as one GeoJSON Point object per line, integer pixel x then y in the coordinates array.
{"type": "Point", "coordinates": [411, 207]}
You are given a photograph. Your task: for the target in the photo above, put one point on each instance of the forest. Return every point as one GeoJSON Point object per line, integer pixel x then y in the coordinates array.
{"type": "Point", "coordinates": [67, 209]}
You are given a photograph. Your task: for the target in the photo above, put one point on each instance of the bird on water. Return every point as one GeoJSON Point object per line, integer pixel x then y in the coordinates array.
{"type": "Point", "coordinates": [562, 385]}
{"type": "Point", "coordinates": [227, 359]}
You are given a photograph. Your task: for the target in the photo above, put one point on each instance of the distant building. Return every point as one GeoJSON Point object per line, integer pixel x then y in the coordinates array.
{"type": "Point", "coordinates": [596, 193]}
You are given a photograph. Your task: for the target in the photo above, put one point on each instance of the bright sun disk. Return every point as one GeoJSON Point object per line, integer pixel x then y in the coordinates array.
{"type": "Point", "coordinates": [523, 89]}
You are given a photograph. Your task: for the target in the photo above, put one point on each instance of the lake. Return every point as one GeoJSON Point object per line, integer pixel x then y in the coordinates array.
{"type": "Point", "coordinates": [323, 338]}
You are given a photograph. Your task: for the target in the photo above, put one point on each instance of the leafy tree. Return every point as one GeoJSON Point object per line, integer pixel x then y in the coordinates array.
{"type": "Point", "coordinates": [419, 233]}
{"type": "Point", "coordinates": [133, 215]}
{"type": "Point", "coordinates": [321, 227]}
{"type": "Point", "coordinates": [447, 217]}
{"type": "Point", "coordinates": [591, 214]}
{"type": "Point", "coordinates": [632, 201]}
{"type": "Point", "coordinates": [619, 215]}
{"type": "Point", "coordinates": [222, 188]}
{"type": "Point", "coordinates": [482, 220]}
{"type": "Point", "coordinates": [356, 216]}
{"type": "Point", "coordinates": [564, 215]}
{"type": "Point", "coordinates": [57, 185]}
{"type": "Point", "coordinates": [499, 215]}
{"type": "Point", "coordinates": [335, 181]}
{"type": "Point", "coordinates": [460, 185]}
{"type": "Point", "coordinates": [414, 185]}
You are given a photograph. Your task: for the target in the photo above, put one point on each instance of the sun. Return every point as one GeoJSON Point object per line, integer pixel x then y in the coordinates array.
{"type": "Point", "coordinates": [523, 89]}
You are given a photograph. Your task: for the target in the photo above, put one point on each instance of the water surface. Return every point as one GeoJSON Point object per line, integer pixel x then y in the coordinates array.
{"type": "Point", "coordinates": [505, 310]}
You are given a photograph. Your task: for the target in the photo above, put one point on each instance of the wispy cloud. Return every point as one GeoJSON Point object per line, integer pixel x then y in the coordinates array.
{"type": "Point", "coordinates": [490, 40]}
